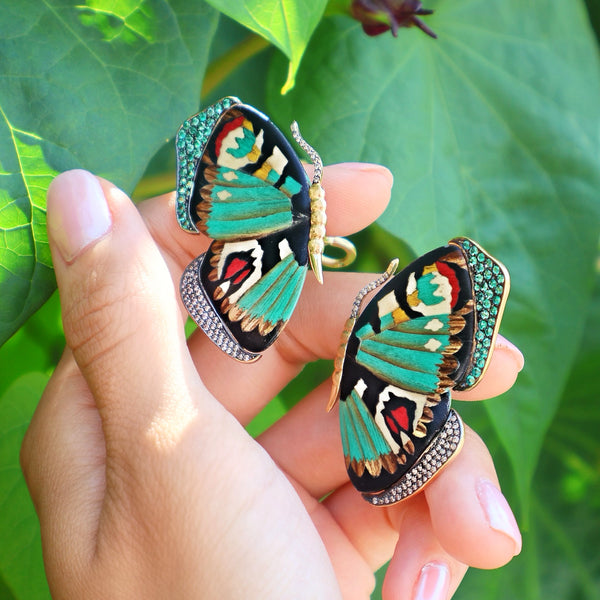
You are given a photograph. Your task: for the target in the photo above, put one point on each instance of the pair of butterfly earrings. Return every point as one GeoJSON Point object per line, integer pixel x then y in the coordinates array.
{"type": "Point", "coordinates": [429, 329]}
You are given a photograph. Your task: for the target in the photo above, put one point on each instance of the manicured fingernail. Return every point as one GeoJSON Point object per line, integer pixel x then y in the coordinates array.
{"type": "Point", "coordinates": [497, 512]}
{"type": "Point", "coordinates": [433, 582]}
{"type": "Point", "coordinates": [504, 345]}
{"type": "Point", "coordinates": [77, 213]}
{"type": "Point", "coordinates": [369, 169]}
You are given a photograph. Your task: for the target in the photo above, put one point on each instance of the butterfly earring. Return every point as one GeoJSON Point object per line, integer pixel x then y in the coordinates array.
{"type": "Point", "coordinates": [430, 329]}
{"type": "Point", "coordinates": [240, 183]}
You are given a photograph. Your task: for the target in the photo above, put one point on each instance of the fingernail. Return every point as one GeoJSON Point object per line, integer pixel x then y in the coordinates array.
{"type": "Point", "coordinates": [367, 169]}
{"type": "Point", "coordinates": [497, 512]}
{"type": "Point", "coordinates": [503, 344]}
{"type": "Point", "coordinates": [433, 582]}
{"type": "Point", "coordinates": [77, 213]}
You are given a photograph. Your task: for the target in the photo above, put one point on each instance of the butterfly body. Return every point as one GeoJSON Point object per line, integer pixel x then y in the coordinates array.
{"type": "Point", "coordinates": [415, 341]}
{"type": "Point", "coordinates": [241, 184]}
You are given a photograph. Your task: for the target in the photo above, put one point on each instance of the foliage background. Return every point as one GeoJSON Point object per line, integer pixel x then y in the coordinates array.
{"type": "Point", "coordinates": [492, 131]}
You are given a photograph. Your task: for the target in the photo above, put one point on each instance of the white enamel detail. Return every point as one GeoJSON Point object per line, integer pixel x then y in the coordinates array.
{"type": "Point", "coordinates": [230, 142]}
{"type": "Point", "coordinates": [387, 304]}
{"type": "Point", "coordinates": [255, 251]}
{"type": "Point", "coordinates": [230, 176]}
{"type": "Point", "coordinates": [444, 291]}
{"type": "Point", "coordinates": [284, 249]}
{"type": "Point", "coordinates": [223, 195]}
{"type": "Point", "coordinates": [419, 400]}
{"type": "Point", "coordinates": [360, 387]}
{"type": "Point", "coordinates": [277, 160]}
{"type": "Point", "coordinates": [434, 325]}
{"type": "Point", "coordinates": [432, 344]}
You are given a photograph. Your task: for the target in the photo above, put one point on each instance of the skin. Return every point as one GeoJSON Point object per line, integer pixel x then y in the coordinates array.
{"type": "Point", "coordinates": [144, 479]}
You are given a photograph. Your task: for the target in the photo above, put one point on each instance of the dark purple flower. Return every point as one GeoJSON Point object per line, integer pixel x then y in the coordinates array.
{"type": "Point", "coordinates": [379, 16]}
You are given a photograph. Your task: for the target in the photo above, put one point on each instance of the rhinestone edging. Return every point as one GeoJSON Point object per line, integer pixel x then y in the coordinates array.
{"type": "Point", "coordinates": [201, 310]}
{"type": "Point", "coordinates": [190, 142]}
{"type": "Point", "coordinates": [445, 444]}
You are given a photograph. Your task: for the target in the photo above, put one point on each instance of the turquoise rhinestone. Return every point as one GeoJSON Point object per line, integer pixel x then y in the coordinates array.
{"type": "Point", "coordinates": [476, 372]}
{"type": "Point", "coordinates": [227, 102]}
{"type": "Point", "coordinates": [202, 117]}
{"type": "Point", "coordinates": [485, 314]}
{"type": "Point", "coordinates": [494, 310]}
{"type": "Point", "coordinates": [480, 335]}
{"type": "Point", "coordinates": [479, 278]}
{"type": "Point", "coordinates": [488, 274]}
{"type": "Point", "coordinates": [496, 269]}
{"type": "Point", "coordinates": [210, 111]}
{"type": "Point", "coordinates": [481, 257]}
{"type": "Point", "coordinates": [486, 303]}
{"type": "Point", "coordinates": [487, 342]}
{"type": "Point", "coordinates": [481, 362]}
{"type": "Point", "coordinates": [501, 278]}
{"type": "Point", "coordinates": [470, 380]}
{"type": "Point", "coordinates": [497, 300]}
{"type": "Point", "coordinates": [489, 331]}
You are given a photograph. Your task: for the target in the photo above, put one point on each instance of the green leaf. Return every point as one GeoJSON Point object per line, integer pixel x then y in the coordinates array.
{"type": "Point", "coordinates": [99, 86]}
{"type": "Point", "coordinates": [288, 24]}
{"type": "Point", "coordinates": [21, 565]}
{"type": "Point", "coordinates": [492, 132]}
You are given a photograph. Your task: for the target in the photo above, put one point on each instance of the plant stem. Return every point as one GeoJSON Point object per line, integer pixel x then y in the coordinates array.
{"type": "Point", "coordinates": [223, 66]}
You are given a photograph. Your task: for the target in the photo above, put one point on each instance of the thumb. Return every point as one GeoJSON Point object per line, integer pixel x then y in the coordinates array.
{"type": "Point", "coordinates": [120, 311]}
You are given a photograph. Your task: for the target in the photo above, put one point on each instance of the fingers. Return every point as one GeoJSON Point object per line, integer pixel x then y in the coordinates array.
{"type": "Point", "coordinates": [420, 568]}
{"type": "Point", "coordinates": [470, 516]}
{"type": "Point", "coordinates": [62, 458]}
{"type": "Point", "coordinates": [120, 311]}
{"type": "Point", "coordinates": [460, 519]}
{"type": "Point", "coordinates": [507, 362]}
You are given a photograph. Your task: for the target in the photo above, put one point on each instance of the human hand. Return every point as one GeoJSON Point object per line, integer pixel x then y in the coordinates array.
{"type": "Point", "coordinates": [144, 479]}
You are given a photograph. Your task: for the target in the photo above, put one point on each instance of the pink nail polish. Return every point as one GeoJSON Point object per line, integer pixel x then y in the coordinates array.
{"type": "Point", "coordinates": [497, 512]}
{"type": "Point", "coordinates": [433, 582]}
{"type": "Point", "coordinates": [77, 213]}
{"type": "Point", "coordinates": [505, 345]}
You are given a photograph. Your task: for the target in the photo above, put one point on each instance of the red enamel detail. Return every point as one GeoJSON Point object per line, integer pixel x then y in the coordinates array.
{"type": "Point", "coordinates": [447, 271]}
{"type": "Point", "coordinates": [391, 425]}
{"type": "Point", "coordinates": [241, 276]}
{"type": "Point", "coordinates": [239, 122]}
{"type": "Point", "coordinates": [235, 266]}
{"type": "Point", "coordinates": [401, 417]}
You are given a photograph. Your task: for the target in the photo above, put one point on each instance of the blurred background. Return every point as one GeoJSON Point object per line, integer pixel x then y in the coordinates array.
{"type": "Point", "coordinates": [492, 131]}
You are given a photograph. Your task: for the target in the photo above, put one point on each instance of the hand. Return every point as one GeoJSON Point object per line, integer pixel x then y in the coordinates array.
{"type": "Point", "coordinates": [144, 479]}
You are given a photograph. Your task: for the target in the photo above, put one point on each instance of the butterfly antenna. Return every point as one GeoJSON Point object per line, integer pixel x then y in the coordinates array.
{"type": "Point", "coordinates": [318, 218]}
{"type": "Point", "coordinates": [315, 159]}
{"type": "Point", "coordinates": [391, 269]}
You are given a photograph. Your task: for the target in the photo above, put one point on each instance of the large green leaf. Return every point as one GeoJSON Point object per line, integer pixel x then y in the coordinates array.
{"type": "Point", "coordinates": [492, 132]}
{"type": "Point", "coordinates": [288, 24]}
{"type": "Point", "coordinates": [98, 85]}
{"type": "Point", "coordinates": [21, 565]}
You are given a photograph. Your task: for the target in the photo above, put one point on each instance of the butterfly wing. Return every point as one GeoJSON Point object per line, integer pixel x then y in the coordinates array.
{"type": "Point", "coordinates": [250, 194]}
{"type": "Point", "coordinates": [415, 340]}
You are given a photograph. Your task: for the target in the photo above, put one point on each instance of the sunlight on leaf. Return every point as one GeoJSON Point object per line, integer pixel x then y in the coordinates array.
{"type": "Point", "coordinates": [102, 94]}
{"type": "Point", "coordinates": [25, 264]}
{"type": "Point", "coordinates": [288, 24]}
{"type": "Point", "coordinates": [125, 19]}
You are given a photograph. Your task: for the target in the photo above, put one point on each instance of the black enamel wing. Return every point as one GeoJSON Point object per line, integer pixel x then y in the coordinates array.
{"type": "Point", "coordinates": [241, 183]}
{"type": "Point", "coordinates": [431, 328]}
